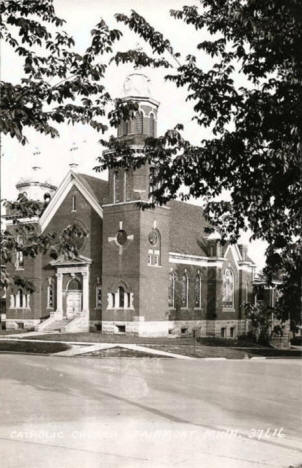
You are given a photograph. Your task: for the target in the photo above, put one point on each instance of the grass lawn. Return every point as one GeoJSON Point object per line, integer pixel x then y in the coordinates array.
{"type": "Point", "coordinates": [273, 352]}
{"type": "Point", "coordinates": [200, 351]}
{"type": "Point", "coordinates": [11, 332]}
{"type": "Point", "coordinates": [122, 352]}
{"type": "Point", "coordinates": [31, 347]}
{"type": "Point", "coordinates": [226, 352]}
{"type": "Point", "coordinates": [204, 347]}
{"type": "Point", "coordinates": [99, 338]}
{"type": "Point", "coordinates": [229, 342]}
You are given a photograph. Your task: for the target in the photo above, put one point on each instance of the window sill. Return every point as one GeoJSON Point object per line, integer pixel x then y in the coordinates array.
{"type": "Point", "coordinates": [154, 266]}
{"type": "Point", "coordinates": [19, 308]}
{"type": "Point", "coordinates": [120, 308]}
{"type": "Point", "coordinates": [225, 309]}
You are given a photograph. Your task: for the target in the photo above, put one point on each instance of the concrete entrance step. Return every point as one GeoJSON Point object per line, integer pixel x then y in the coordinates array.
{"type": "Point", "coordinates": [58, 325]}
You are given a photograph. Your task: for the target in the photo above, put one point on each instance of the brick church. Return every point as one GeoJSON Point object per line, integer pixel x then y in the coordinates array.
{"type": "Point", "coordinates": [148, 272]}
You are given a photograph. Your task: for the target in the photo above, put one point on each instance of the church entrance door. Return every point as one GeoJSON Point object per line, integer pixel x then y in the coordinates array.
{"type": "Point", "coordinates": [73, 303]}
{"type": "Point", "coordinates": [73, 299]}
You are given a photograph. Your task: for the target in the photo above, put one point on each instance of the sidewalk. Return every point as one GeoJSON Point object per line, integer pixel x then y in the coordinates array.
{"type": "Point", "coordinates": [173, 350]}
{"type": "Point", "coordinates": [26, 334]}
{"type": "Point", "coordinates": [82, 348]}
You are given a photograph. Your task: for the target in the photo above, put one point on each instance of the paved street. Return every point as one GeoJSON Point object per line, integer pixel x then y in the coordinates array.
{"type": "Point", "coordinates": [90, 413]}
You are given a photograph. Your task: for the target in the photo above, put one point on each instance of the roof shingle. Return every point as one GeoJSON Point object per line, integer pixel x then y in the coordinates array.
{"type": "Point", "coordinates": [187, 225]}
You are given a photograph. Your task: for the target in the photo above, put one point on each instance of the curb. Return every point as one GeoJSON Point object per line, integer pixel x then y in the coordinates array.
{"type": "Point", "coordinates": [215, 359]}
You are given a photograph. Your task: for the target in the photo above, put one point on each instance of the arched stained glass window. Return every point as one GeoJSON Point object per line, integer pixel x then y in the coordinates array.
{"type": "Point", "coordinates": [228, 289]}
{"type": "Point", "coordinates": [197, 291]}
{"type": "Point", "coordinates": [171, 292]}
{"type": "Point", "coordinates": [113, 300]}
{"type": "Point", "coordinates": [128, 295]}
{"type": "Point", "coordinates": [184, 290]}
{"type": "Point", "coordinates": [98, 299]}
{"type": "Point", "coordinates": [51, 294]}
{"type": "Point", "coordinates": [20, 298]}
{"type": "Point", "coordinates": [121, 297]}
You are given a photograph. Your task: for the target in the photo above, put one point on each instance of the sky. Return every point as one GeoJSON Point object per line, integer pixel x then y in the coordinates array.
{"type": "Point", "coordinates": [55, 154]}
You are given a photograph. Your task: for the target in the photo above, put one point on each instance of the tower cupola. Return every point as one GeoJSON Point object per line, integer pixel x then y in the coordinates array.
{"type": "Point", "coordinates": [137, 88]}
{"type": "Point", "coordinates": [35, 185]}
{"type": "Point", "coordinates": [127, 185]}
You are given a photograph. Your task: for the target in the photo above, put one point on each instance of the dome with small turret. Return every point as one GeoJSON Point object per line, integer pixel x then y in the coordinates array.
{"type": "Point", "coordinates": [143, 123]}
{"type": "Point", "coordinates": [137, 85]}
{"type": "Point", "coordinates": [34, 184]}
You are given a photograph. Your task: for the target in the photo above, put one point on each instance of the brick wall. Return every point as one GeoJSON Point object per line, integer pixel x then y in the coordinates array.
{"type": "Point", "coordinates": [86, 217]}
{"type": "Point", "coordinates": [191, 312]}
{"type": "Point", "coordinates": [154, 279]}
{"type": "Point", "coordinates": [39, 269]}
{"type": "Point", "coordinates": [120, 269]}
{"type": "Point", "coordinates": [30, 272]}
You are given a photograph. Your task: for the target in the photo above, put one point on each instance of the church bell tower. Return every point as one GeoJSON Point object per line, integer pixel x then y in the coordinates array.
{"type": "Point", "coordinates": [135, 241]}
{"type": "Point", "coordinates": [126, 185]}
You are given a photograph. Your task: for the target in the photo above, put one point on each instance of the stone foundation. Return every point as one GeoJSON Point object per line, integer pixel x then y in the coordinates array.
{"type": "Point", "coordinates": [95, 325]}
{"type": "Point", "coordinates": [21, 324]}
{"type": "Point", "coordinates": [202, 328]}
{"type": "Point", "coordinates": [239, 327]}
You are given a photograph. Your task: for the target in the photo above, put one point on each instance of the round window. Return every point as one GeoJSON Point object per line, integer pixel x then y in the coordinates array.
{"type": "Point", "coordinates": [153, 237]}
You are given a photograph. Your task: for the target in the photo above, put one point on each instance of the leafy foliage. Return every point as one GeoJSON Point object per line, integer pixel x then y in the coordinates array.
{"type": "Point", "coordinates": [24, 236]}
{"type": "Point", "coordinates": [250, 97]}
{"type": "Point", "coordinates": [255, 149]}
{"type": "Point", "coordinates": [288, 261]}
{"type": "Point", "coordinates": [59, 84]}
{"type": "Point", "coordinates": [266, 321]}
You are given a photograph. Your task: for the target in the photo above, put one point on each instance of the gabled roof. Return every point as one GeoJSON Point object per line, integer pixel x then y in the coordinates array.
{"type": "Point", "coordinates": [97, 187]}
{"type": "Point", "coordinates": [249, 259]}
{"type": "Point", "coordinates": [92, 189]}
{"type": "Point", "coordinates": [241, 264]}
{"type": "Point", "coordinates": [187, 225]}
{"type": "Point", "coordinates": [62, 261]}
{"type": "Point", "coordinates": [187, 233]}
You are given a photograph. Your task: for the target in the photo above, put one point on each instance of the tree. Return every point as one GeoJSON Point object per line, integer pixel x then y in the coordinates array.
{"type": "Point", "coordinates": [255, 149]}
{"type": "Point", "coordinates": [261, 318]}
{"type": "Point", "coordinates": [59, 86]}
{"type": "Point", "coordinates": [26, 238]}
